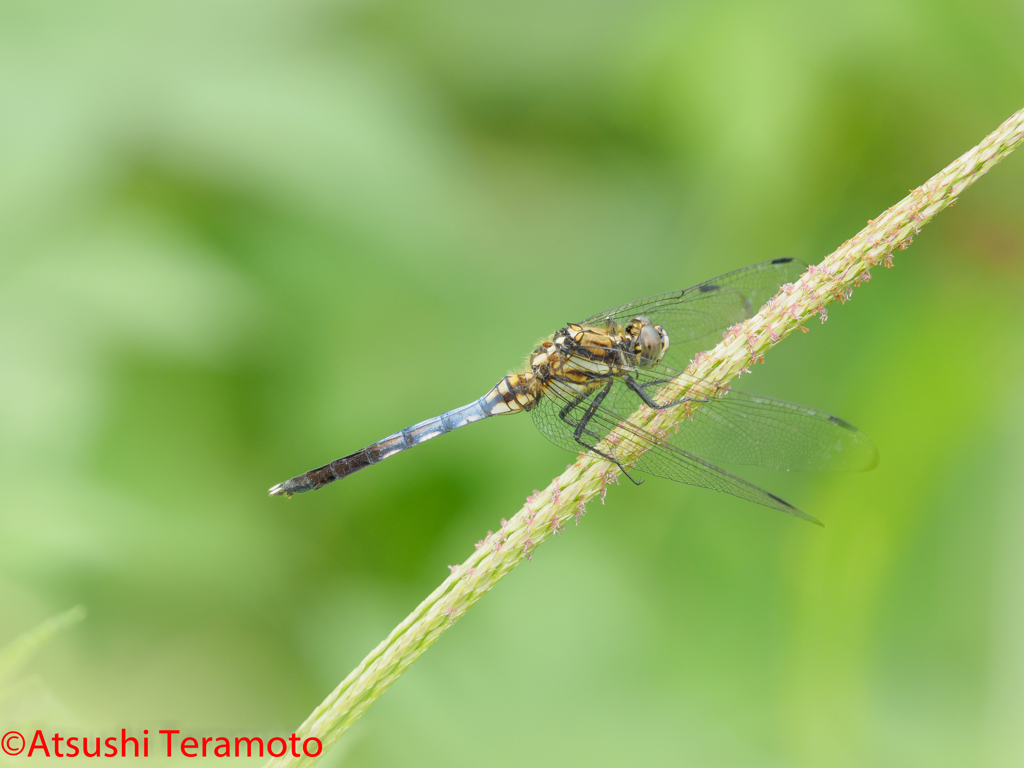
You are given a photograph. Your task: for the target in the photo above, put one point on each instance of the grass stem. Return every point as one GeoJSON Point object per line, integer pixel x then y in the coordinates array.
{"type": "Point", "coordinates": [548, 511]}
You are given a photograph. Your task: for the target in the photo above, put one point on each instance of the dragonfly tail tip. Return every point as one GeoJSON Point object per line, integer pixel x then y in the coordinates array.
{"type": "Point", "coordinates": [278, 490]}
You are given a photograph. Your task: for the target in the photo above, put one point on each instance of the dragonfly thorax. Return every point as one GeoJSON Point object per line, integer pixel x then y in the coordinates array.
{"type": "Point", "coordinates": [582, 356]}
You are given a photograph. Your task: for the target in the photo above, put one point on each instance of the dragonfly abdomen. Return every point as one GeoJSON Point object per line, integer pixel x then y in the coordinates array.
{"type": "Point", "coordinates": [511, 395]}
{"type": "Point", "coordinates": [516, 392]}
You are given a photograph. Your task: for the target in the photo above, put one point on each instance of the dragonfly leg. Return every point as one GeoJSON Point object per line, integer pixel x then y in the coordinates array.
{"type": "Point", "coordinates": [581, 428]}
{"type": "Point", "coordinates": [647, 384]}
{"type": "Point", "coordinates": [564, 416]}
{"type": "Point", "coordinates": [641, 390]}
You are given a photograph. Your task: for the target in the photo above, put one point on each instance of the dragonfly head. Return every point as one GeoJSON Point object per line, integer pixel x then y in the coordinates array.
{"type": "Point", "coordinates": [649, 342]}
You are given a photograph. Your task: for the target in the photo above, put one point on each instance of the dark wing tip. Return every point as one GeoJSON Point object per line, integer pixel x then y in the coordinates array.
{"type": "Point", "coordinates": [870, 453]}
{"type": "Point", "coordinates": [784, 260]}
{"type": "Point", "coordinates": [709, 288]}
{"type": "Point", "coordinates": [785, 506]}
{"type": "Point", "coordinates": [842, 423]}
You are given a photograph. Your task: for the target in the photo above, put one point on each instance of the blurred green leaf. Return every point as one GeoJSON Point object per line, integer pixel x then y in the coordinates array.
{"type": "Point", "coordinates": [239, 239]}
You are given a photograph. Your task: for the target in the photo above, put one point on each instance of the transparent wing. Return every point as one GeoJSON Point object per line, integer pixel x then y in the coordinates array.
{"type": "Point", "coordinates": [559, 414]}
{"type": "Point", "coordinates": [738, 428]}
{"type": "Point", "coordinates": [694, 317]}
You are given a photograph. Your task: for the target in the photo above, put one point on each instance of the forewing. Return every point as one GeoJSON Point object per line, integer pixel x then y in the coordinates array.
{"type": "Point", "coordinates": [736, 428]}
{"type": "Point", "coordinates": [660, 458]}
{"type": "Point", "coordinates": [694, 317]}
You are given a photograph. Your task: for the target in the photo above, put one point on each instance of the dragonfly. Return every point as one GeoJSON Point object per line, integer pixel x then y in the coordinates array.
{"type": "Point", "coordinates": [581, 384]}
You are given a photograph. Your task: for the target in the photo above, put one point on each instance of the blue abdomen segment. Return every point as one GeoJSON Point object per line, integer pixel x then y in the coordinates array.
{"type": "Point", "coordinates": [425, 430]}
{"type": "Point", "coordinates": [382, 449]}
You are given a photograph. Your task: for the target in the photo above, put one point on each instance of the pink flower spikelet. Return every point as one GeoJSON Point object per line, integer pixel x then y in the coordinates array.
{"type": "Point", "coordinates": [581, 510]}
{"type": "Point", "coordinates": [528, 549]}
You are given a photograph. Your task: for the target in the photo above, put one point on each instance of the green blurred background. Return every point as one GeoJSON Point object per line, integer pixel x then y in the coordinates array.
{"type": "Point", "coordinates": [239, 239]}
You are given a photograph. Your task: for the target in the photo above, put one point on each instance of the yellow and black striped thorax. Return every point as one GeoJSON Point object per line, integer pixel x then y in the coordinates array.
{"type": "Point", "coordinates": [580, 357]}
{"type": "Point", "coordinates": [583, 357]}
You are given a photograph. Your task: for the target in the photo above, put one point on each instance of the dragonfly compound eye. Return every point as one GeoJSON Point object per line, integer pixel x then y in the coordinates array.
{"type": "Point", "coordinates": [649, 344]}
